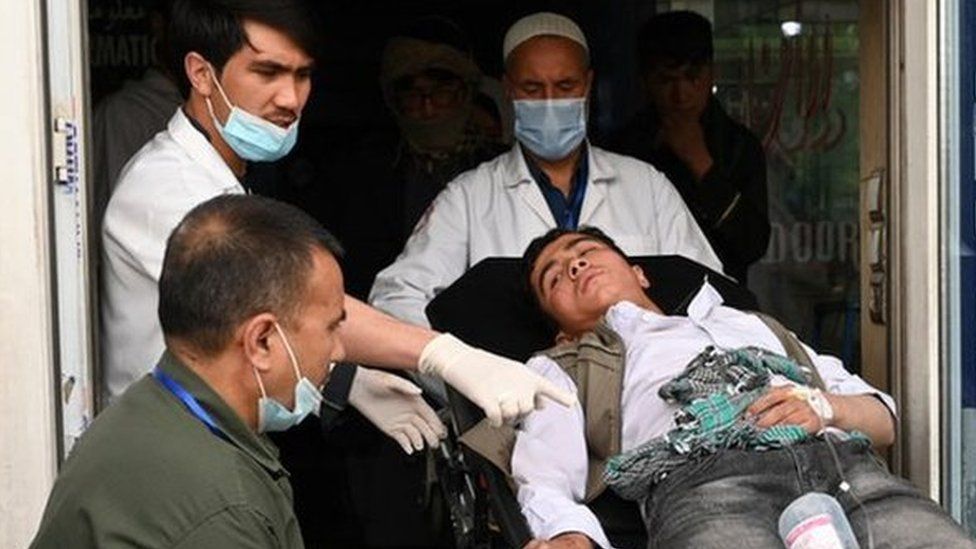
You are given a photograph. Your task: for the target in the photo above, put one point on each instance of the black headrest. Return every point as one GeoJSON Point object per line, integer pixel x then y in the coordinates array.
{"type": "Point", "coordinates": [489, 307]}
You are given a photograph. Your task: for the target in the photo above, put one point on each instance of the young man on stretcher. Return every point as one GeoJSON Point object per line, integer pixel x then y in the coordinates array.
{"type": "Point", "coordinates": [702, 419]}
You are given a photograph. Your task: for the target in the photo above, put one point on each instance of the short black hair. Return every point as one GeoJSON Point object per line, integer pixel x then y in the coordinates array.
{"type": "Point", "coordinates": [535, 248]}
{"type": "Point", "coordinates": [231, 258]}
{"type": "Point", "coordinates": [674, 39]}
{"type": "Point", "coordinates": [215, 29]}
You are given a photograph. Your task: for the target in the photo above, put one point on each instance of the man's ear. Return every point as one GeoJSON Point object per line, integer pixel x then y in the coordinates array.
{"type": "Point", "coordinates": [256, 340]}
{"type": "Point", "coordinates": [199, 73]}
{"type": "Point", "coordinates": [644, 282]}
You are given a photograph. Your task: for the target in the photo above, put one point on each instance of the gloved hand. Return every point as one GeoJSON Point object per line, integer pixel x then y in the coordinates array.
{"type": "Point", "coordinates": [506, 390]}
{"type": "Point", "coordinates": [394, 406]}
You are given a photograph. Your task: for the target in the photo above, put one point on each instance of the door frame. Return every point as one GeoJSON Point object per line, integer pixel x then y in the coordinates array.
{"type": "Point", "coordinates": [916, 283]}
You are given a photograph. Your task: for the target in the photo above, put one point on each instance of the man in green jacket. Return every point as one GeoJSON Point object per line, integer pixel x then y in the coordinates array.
{"type": "Point", "coordinates": [251, 304]}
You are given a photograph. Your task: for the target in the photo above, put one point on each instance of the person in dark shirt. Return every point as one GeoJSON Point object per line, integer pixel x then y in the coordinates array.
{"type": "Point", "coordinates": [378, 188]}
{"type": "Point", "coordinates": [429, 82]}
{"type": "Point", "coordinates": [716, 163]}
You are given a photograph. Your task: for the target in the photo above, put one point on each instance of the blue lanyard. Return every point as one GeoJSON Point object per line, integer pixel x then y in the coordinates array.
{"type": "Point", "coordinates": [188, 400]}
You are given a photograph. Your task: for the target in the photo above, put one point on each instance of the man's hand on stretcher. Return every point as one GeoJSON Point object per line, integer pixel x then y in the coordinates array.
{"type": "Point", "coordinates": [790, 405]}
{"type": "Point", "coordinates": [506, 390]}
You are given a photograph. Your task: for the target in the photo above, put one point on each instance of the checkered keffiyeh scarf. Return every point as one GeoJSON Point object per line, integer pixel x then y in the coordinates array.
{"type": "Point", "coordinates": [714, 392]}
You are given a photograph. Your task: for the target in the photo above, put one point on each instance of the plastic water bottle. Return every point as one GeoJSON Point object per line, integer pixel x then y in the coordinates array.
{"type": "Point", "coordinates": [816, 521]}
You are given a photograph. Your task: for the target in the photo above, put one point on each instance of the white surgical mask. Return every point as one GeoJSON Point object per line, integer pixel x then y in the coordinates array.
{"type": "Point", "coordinates": [249, 135]}
{"type": "Point", "coordinates": [550, 128]}
{"type": "Point", "coordinates": [273, 415]}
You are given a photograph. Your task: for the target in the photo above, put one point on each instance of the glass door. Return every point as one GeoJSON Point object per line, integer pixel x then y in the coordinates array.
{"type": "Point", "coordinates": [805, 78]}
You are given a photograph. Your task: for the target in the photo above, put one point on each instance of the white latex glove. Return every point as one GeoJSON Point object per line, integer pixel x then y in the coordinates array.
{"type": "Point", "coordinates": [394, 406]}
{"type": "Point", "coordinates": [506, 390]}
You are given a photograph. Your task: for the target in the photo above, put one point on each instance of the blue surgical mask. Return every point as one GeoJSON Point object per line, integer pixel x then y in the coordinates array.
{"type": "Point", "coordinates": [273, 415]}
{"type": "Point", "coordinates": [550, 128]}
{"type": "Point", "coordinates": [250, 136]}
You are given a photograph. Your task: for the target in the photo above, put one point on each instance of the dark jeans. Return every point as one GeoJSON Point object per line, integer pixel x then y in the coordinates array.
{"type": "Point", "coordinates": [734, 499]}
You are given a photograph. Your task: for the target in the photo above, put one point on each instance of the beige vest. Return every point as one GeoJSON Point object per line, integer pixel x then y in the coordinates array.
{"type": "Point", "coordinates": [595, 363]}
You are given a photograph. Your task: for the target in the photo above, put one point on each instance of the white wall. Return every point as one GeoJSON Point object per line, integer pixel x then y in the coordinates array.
{"type": "Point", "coordinates": [27, 416]}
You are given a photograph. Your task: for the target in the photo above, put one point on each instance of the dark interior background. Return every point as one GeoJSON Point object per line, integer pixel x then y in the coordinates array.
{"type": "Point", "coordinates": [345, 99]}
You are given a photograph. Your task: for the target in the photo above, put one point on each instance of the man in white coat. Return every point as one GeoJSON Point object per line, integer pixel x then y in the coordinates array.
{"type": "Point", "coordinates": [551, 178]}
{"type": "Point", "coordinates": [246, 68]}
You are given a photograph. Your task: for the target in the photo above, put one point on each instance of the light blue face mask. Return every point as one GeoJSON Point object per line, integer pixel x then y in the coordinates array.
{"type": "Point", "coordinates": [550, 128]}
{"type": "Point", "coordinates": [250, 136]}
{"type": "Point", "coordinates": [274, 416]}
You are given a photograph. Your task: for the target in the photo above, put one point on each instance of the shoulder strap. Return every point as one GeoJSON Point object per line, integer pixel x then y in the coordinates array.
{"type": "Point", "coordinates": [595, 363]}
{"type": "Point", "coordinates": [492, 443]}
{"type": "Point", "coordinates": [794, 349]}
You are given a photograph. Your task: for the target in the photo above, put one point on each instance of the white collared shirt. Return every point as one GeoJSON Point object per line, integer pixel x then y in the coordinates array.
{"type": "Point", "coordinates": [496, 209]}
{"type": "Point", "coordinates": [549, 462]}
{"type": "Point", "coordinates": [123, 122]}
{"type": "Point", "coordinates": [175, 171]}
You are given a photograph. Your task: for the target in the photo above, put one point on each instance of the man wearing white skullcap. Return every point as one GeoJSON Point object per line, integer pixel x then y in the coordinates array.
{"type": "Point", "coordinates": [542, 24]}
{"type": "Point", "coordinates": [552, 177]}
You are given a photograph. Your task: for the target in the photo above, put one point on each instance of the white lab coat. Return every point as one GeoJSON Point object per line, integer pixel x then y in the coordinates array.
{"type": "Point", "coordinates": [125, 121]}
{"type": "Point", "coordinates": [171, 174]}
{"type": "Point", "coordinates": [496, 209]}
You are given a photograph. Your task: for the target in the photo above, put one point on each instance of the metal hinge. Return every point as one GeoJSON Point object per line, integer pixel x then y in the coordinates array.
{"type": "Point", "coordinates": [877, 247]}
